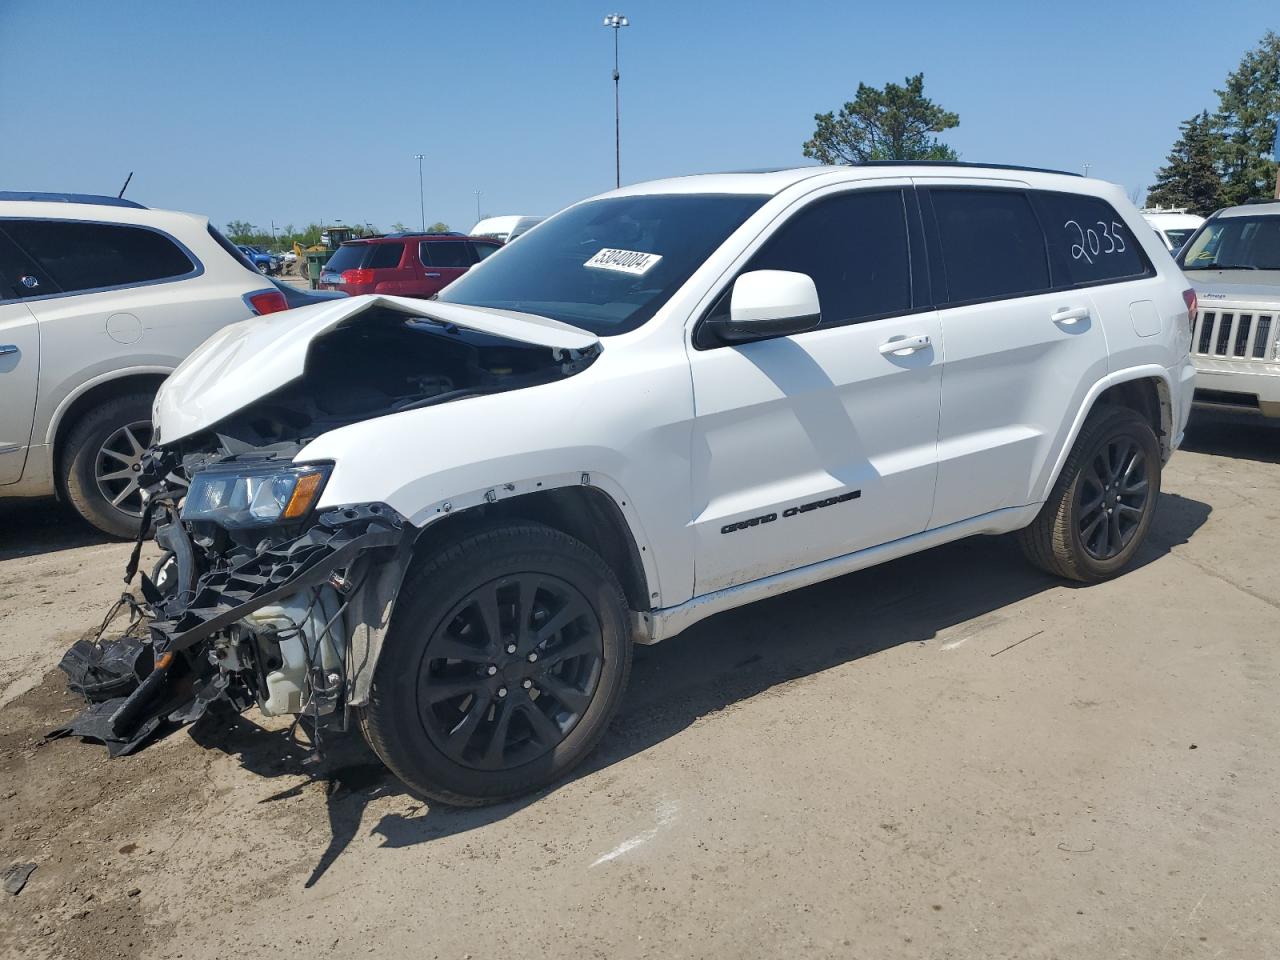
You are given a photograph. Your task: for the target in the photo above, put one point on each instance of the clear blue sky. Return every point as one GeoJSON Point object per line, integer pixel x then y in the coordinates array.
{"type": "Point", "coordinates": [312, 110]}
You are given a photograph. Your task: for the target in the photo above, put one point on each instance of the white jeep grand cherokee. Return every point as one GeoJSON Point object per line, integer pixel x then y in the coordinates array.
{"type": "Point", "coordinates": [450, 520]}
{"type": "Point", "coordinates": [1233, 261]}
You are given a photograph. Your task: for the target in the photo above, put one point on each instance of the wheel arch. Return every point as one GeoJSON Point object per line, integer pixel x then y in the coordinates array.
{"type": "Point", "coordinates": [1145, 389]}
{"type": "Point", "coordinates": [597, 517]}
{"type": "Point", "coordinates": [92, 392]}
{"type": "Point", "coordinates": [585, 512]}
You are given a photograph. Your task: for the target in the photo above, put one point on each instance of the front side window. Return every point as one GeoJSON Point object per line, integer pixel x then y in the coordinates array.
{"type": "Point", "coordinates": [1089, 240]}
{"type": "Point", "coordinates": [854, 247]}
{"type": "Point", "coordinates": [450, 254]}
{"type": "Point", "coordinates": [1234, 243]}
{"type": "Point", "coordinates": [88, 256]}
{"type": "Point", "coordinates": [992, 244]}
{"type": "Point", "coordinates": [1178, 237]}
{"type": "Point", "coordinates": [606, 266]}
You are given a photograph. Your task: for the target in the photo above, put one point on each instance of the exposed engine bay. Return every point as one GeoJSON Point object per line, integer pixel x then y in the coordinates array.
{"type": "Point", "coordinates": [259, 596]}
{"type": "Point", "coordinates": [386, 363]}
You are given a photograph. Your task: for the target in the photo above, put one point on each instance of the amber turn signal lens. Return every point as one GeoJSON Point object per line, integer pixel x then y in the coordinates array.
{"type": "Point", "coordinates": [304, 494]}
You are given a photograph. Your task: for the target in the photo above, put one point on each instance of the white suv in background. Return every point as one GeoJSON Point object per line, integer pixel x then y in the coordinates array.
{"type": "Point", "coordinates": [1172, 226]}
{"type": "Point", "coordinates": [1233, 262]}
{"type": "Point", "coordinates": [100, 299]}
{"type": "Point", "coordinates": [451, 519]}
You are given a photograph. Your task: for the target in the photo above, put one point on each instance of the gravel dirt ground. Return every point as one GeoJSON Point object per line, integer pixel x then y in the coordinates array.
{"type": "Point", "coordinates": [947, 756]}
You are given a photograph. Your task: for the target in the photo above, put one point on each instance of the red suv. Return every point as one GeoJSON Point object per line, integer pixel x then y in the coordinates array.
{"type": "Point", "coordinates": [403, 264]}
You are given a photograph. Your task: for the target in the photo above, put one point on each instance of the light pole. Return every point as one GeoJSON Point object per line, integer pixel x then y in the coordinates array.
{"type": "Point", "coordinates": [422, 205]}
{"type": "Point", "coordinates": [1086, 168]}
{"type": "Point", "coordinates": [617, 21]}
{"type": "Point", "coordinates": [477, 206]}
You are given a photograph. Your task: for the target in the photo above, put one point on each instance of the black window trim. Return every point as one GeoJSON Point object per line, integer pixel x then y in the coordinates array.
{"type": "Point", "coordinates": [917, 263]}
{"type": "Point", "coordinates": [941, 293]}
{"type": "Point", "coordinates": [190, 275]}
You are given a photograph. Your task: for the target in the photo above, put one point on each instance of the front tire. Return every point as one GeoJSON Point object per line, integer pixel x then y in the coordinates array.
{"type": "Point", "coordinates": [507, 656]}
{"type": "Point", "coordinates": [1101, 506]}
{"type": "Point", "coordinates": [101, 460]}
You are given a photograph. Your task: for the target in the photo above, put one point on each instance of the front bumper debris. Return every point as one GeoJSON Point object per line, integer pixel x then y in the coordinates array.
{"type": "Point", "coordinates": [135, 684]}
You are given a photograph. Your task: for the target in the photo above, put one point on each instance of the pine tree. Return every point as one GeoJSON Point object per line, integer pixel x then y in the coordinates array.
{"type": "Point", "coordinates": [1246, 121]}
{"type": "Point", "coordinates": [890, 124]}
{"type": "Point", "coordinates": [1190, 175]}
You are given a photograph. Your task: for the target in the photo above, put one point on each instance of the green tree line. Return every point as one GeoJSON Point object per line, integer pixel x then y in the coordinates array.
{"type": "Point", "coordinates": [242, 231]}
{"type": "Point", "coordinates": [1226, 156]}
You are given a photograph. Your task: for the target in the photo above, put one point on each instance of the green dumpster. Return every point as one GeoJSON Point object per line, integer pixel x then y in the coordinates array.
{"type": "Point", "coordinates": [315, 263]}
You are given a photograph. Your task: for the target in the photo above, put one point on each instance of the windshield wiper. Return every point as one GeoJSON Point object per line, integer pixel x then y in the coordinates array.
{"type": "Point", "coordinates": [1225, 266]}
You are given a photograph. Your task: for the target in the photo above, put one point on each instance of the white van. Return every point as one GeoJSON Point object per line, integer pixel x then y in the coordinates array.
{"type": "Point", "coordinates": [1173, 226]}
{"type": "Point", "coordinates": [504, 228]}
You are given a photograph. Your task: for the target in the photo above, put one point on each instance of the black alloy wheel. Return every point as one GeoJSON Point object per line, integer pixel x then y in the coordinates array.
{"type": "Point", "coordinates": [1112, 498]}
{"type": "Point", "coordinates": [1101, 506]}
{"type": "Point", "coordinates": [510, 671]}
{"type": "Point", "coordinates": [506, 657]}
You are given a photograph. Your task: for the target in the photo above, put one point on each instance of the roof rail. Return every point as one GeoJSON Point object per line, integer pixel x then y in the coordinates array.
{"type": "Point", "coordinates": [93, 198]}
{"type": "Point", "coordinates": [961, 163]}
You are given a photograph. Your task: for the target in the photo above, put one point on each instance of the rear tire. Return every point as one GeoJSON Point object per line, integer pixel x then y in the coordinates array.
{"type": "Point", "coordinates": [458, 714]}
{"type": "Point", "coordinates": [1100, 508]}
{"type": "Point", "coordinates": [99, 460]}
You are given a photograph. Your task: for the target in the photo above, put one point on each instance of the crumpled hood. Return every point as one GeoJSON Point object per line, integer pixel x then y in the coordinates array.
{"type": "Point", "coordinates": [245, 361]}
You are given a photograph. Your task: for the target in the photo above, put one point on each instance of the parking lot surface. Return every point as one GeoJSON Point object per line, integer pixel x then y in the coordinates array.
{"type": "Point", "coordinates": [951, 755]}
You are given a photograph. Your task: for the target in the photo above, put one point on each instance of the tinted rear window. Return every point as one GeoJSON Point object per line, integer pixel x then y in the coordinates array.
{"type": "Point", "coordinates": [349, 256]}
{"type": "Point", "coordinates": [992, 244]}
{"type": "Point", "coordinates": [445, 253]}
{"type": "Point", "coordinates": [385, 256]}
{"type": "Point", "coordinates": [1088, 239]}
{"type": "Point", "coordinates": [88, 256]}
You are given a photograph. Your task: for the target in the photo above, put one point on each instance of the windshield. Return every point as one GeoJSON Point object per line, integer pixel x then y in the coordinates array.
{"type": "Point", "coordinates": [1235, 243]}
{"type": "Point", "coordinates": [608, 265]}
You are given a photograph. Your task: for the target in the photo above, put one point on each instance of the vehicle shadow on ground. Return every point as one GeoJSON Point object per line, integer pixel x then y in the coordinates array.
{"type": "Point", "coordinates": [29, 528]}
{"type": "Point", "coordinates": [1239, 435]}
{"type": "Point", "coordinates": [715, 664]}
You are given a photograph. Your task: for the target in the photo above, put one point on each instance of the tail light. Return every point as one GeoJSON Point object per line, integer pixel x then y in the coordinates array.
{"type": "Point", "coordinates": [266, 301]}
{"type": "Point", "coordinates": [1193, 306]}
{"type": "Point", "coordinates": [357, 276]}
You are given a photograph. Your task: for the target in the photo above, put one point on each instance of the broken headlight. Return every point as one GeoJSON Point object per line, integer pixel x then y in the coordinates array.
{"type": "Point", "coordinates": [242, 496]}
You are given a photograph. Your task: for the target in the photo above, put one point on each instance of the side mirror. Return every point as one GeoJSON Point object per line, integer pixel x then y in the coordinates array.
{"type": "Point", "coordinates": [769, 303]}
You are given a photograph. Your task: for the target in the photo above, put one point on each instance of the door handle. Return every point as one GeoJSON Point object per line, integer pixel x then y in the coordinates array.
{"type": "Point", "coordinates": [7, 348]}
{"type": "Point", "coordinates": [904, 346]}
{"type": "Point", "coordinates": [430, 274]}
{"type": "Point", "coordinates": [1069, 315]}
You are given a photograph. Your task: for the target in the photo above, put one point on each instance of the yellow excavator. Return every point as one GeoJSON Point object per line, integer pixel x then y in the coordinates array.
{"type": "Point", "coordinates": [310, 259]}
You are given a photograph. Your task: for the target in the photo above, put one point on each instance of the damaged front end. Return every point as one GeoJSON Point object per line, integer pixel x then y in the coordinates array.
{"type": "Point", "coordinates": [279, 616]}
{"type": "Point", "coordinates": [263, 596]}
